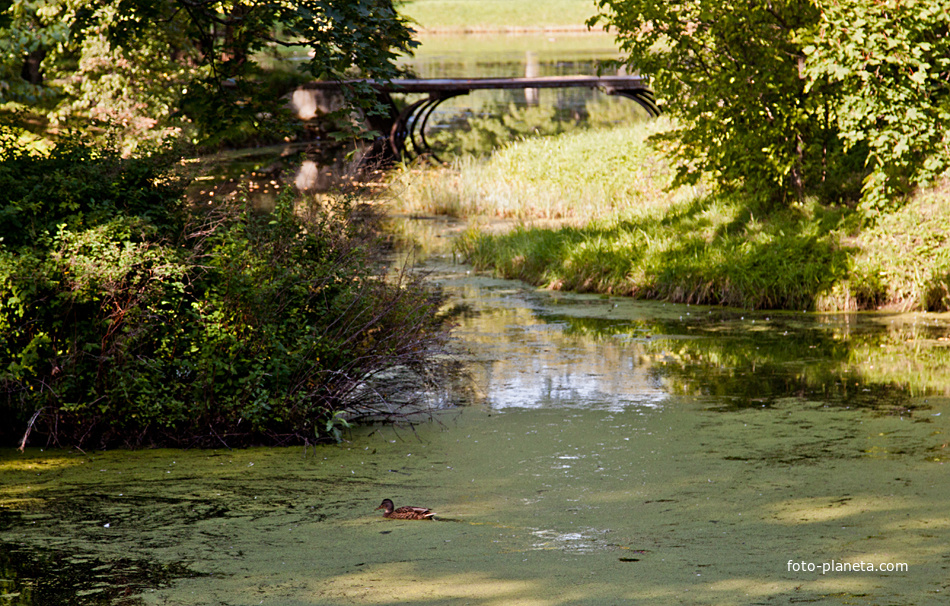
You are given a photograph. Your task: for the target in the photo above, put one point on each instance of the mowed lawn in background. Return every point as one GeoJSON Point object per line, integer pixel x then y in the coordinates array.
{"type": "Point", "coordinates": [483, 15]}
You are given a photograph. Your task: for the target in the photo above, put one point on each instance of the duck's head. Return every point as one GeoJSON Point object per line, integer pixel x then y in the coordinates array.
{"type": "Point", "coordinates": [386, 505]}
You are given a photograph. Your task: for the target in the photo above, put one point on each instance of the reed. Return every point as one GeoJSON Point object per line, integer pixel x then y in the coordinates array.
{"type": "Point", "coordinates": [573, 178]}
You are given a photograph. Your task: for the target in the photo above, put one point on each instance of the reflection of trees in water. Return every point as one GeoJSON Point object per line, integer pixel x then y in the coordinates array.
{"type": "Point", "coordinates": [539, 348]}
{"type": "Point", "coordinates": [523, 361]}
{"type": "Point", "coordinates": [839, 360]}
{"type": "Point", "coordinates": [46, 576]}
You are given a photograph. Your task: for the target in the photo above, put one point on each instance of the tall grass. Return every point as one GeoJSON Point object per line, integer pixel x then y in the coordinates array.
{"type": "Point", "coordinates": [902, 261]}
{"type": "Point", "coordinates": [575, 177]}
{"type": "Point", "coordinates": [708, 250]}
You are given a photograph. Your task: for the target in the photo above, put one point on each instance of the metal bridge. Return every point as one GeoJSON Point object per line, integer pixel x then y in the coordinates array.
{"type": "Point", "coordinates": [404, 130]}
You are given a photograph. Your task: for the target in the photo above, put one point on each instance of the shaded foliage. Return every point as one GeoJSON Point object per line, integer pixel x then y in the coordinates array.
{"type": "Point", "coordinates": [132, 319]}
{"type": "Point", "coordinates": [145, 65]}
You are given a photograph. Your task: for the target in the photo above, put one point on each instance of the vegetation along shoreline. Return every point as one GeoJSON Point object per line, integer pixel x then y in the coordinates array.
{"type": "Point", "coordinates": [798, 166]}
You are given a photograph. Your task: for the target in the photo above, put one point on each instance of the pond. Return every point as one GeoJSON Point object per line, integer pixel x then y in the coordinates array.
{"type": "Point", "coordinates": [607, 451]}
{"type": "Point", "coordinates": [473, 123]}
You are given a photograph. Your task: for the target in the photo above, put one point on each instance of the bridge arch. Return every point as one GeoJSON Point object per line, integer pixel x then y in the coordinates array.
{"type": "Point", "coordinates": [404, 130]}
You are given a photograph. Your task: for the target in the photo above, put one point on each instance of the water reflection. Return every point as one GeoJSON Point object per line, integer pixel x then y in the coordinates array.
{"type": "Point", "coordinates": [510, 55]}
{"type": "Point", "coordinates": [538, 364]}
{"type": "Point", "coordinates": [263, 174]}
{"type": "Point", "coordinates": [586, 541]}
{"type": "Point", "coordinates": [702, 493]}
{"type": "Point", "coordinates": [556, 349]}
{"type": "Point", "coordinates": [41, 577]}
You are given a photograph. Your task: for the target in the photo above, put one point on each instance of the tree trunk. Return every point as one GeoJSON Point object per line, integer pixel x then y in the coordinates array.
{"type": "Point", "coordinates": [31, 70]}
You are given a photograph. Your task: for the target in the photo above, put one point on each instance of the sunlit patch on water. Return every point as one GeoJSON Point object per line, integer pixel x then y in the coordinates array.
{"type": "Point", "coordinates": [586, 541]}
{"type": "Point", "coordinates": [603, 438]}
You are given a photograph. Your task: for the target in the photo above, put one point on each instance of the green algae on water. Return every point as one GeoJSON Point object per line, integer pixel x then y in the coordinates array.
{"type": "Point", "coordinates": [609, 453]}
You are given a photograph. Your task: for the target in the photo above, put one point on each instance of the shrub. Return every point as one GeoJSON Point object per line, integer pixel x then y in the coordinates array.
{"type": "Point", "coordinates": [129, 318]}
{"type": "Point", "coordinates": [839, 98]}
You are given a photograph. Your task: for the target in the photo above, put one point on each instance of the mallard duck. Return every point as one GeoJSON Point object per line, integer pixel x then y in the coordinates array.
{"type": "Point", "coordinates": [407, 512]}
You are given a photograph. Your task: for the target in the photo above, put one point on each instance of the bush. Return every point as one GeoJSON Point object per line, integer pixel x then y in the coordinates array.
{"type": "Point", "coordinates": [730, 74]}
{"type": "Point", "coordinates": [839, 98]}
{"type": "Point", "coordinates": [129, 318]}
{"type": "Point", "coordinates": [75, 186]}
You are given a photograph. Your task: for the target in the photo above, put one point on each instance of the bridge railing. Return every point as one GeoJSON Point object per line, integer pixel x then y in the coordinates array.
{"type": "Point", "coordinates": [405, 130]}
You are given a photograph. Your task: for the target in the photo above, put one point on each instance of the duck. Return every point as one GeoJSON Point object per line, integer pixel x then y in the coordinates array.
{"type": "Point", "coordinates": [407, 512]}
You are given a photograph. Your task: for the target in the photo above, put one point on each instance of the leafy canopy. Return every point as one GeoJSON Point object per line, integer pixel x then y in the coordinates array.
{"type": "Point", "coordinates": [142, 64]}
{"type": "Point", "coordinates": [889, 64]}
{"type": "Point", "coordinates": [731, 73]}
{"type": "Point", "coordinates": [797, 97]}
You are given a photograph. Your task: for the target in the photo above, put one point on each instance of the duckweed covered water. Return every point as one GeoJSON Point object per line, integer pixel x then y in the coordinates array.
{"type": "Point", "coordinates": [608, 451]}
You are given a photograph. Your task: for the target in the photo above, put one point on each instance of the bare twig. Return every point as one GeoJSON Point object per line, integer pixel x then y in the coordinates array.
{"type": "Point", "coordinates": [29, 428]}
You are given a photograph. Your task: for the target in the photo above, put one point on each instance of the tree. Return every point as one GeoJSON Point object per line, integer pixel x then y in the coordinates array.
{"type": "Point", "coordinates": [732, 74]}
{"type": "Point", "coordinates": [890, 61]}
{"type": "Point", "coordinates": [798, 97]}
{"type": "Point", "coordinates": [140, 64]}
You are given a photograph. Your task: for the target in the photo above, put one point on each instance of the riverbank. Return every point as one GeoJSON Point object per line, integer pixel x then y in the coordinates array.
{"type": "Point", "coordinates": [593, 212]}
{"type": "Point", "coordinates": [739, 440]}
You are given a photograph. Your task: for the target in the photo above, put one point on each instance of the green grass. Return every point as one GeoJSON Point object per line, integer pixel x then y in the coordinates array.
{"type": "Point", "coordinates": [593, 212]}
{"type": "Point", "coordinates": [488, 15]}
{"type": "Point", "coordinates": [567, 46]}
{"type": "Point", "coordinates": [707, 250]}
{"type": "Point", "coordinates": [575, 177]}
{"type": "Point", "coordinates": [903, 260]}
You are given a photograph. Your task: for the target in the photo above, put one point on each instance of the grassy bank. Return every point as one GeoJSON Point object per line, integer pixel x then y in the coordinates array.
{"type": "Point", "coordinates": [620, 230]}
{"type": "Point", "coordinates": [574, 178]}
{"type": "Point", "coordinates": [497, 15]}
{"type": "Point", "coordinates": [711, 250]}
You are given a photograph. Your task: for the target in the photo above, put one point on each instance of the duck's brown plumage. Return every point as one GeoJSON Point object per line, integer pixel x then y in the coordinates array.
{"type": "Point", "coordinates": [407, 512]}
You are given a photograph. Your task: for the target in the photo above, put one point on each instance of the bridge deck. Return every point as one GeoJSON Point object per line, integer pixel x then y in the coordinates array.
{"type": "Point", "coordinates": [459, 85]}
{"type": "Point", "coordinates": [403, 131]}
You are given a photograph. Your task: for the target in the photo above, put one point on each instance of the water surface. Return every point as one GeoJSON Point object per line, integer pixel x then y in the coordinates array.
{"type": "Point", "coordinates": [608, 451]}
{"type": "Point", "coordinates": [474, 123]}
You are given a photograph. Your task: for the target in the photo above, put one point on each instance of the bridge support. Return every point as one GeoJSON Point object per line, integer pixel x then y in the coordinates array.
{"type": "Point", "coordinates": [403, 132]}
{"type": "Point", "coordinates": [407, 136]}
